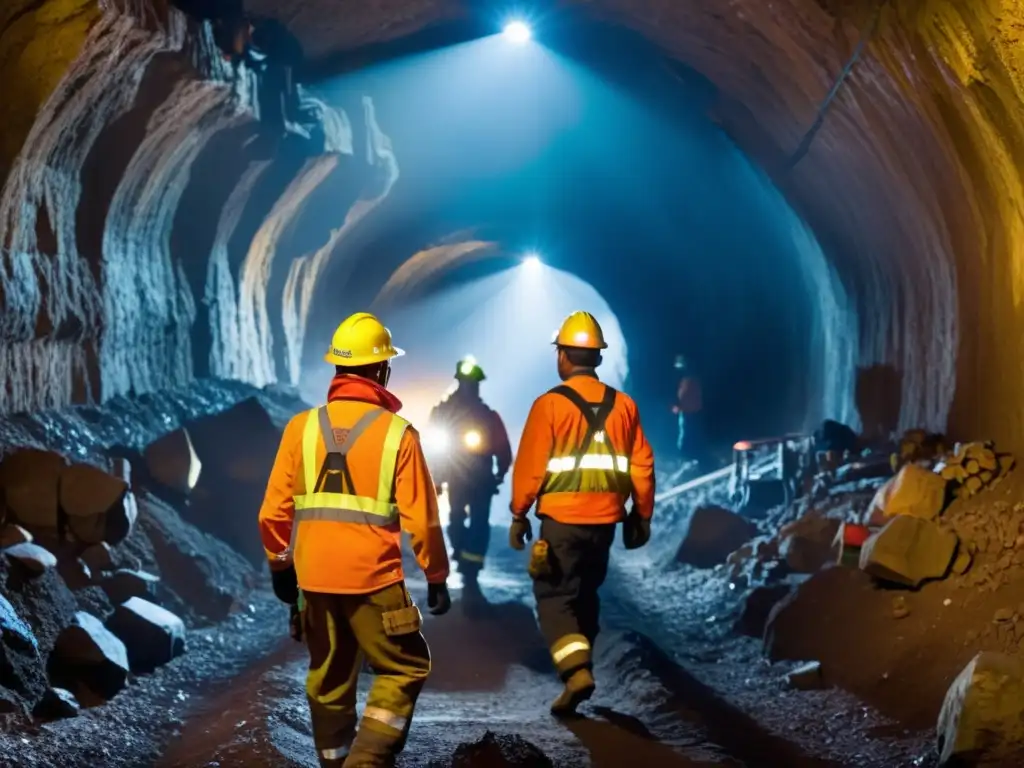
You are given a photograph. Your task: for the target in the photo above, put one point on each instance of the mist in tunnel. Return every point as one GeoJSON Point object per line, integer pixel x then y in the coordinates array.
{"type": "Point", "coordinates": [597, 155]}
{"type": "Point", "coordinates": [506, 320]}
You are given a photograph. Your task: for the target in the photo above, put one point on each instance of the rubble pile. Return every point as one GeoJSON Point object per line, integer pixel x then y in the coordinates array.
{"type": "Point", "coordinates": [901, 581]}
{"type": "Point", "coordinates": [100, 575]}
{"type": "Point", "coordinates": [499, 751]}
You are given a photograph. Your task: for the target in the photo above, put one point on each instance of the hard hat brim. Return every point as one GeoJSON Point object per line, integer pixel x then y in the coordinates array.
{"type": "Point", "coordinates": [557, 343]}
{"type": "Point", "coordinates": [355, 362]}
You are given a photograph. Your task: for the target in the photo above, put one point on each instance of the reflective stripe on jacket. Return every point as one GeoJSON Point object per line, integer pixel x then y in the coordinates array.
{"type": "Point", "coordinates": [348, 477]}
{"type": "Point", "coordinates": [593, 489]}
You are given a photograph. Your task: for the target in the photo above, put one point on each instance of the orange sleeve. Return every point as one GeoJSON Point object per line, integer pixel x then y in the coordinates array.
{"type": "Point", "coordinates": [277, 515]}
{"type": "Point", "coordinates": [641, 471]}
{"type": "Point", "coordinates": [531, 464]}
{"type": "Point", "coordinates": [417, 505]}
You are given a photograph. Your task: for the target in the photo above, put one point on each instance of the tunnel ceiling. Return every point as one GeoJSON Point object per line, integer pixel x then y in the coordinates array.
{"type": "Point", "coordinates": [894, 129]}
{"type": "Point", "coordinates": [896, 133]}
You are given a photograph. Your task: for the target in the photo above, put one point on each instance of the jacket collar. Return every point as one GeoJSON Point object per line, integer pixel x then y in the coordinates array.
{"type": "Point", "coordinates": [348, 387]}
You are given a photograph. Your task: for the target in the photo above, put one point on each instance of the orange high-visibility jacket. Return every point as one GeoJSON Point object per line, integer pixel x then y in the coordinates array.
{"type": "Point", "coordinates": [342, 530]}
{"type": "Point", "coordinates": [588, 489]}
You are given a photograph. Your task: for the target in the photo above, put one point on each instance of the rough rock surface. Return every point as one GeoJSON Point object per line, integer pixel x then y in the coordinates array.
{"type": "Point", "coordinates": [24, 679]}
{"type": "Point", "coordinates": [124, 584]}
{"type": "Point", "coordinates": [712, 534]}
{"type": "Point", "coordinates": [97, 505]}
{"type": "Point", "coordinates": [152, 635]}
{"type": "Point", "coordinates": [915, 491]}
{"type": "Point", "coordinates": [89, 660]}
{"type": "Point", "coordinates": [57, 703]}
{"type": "Point", "coordinates": [12, 534]}
{"type": "Point", "coordinates": [758, 606]}
{"type": "Point", "coordinates": [30, 480]}
{"type": "Point", "coordinates": [909, 551]}
{"type": "Point", "coordinates": [807, 546]}
{"type": "Point", "coordinates": [31, 557]}
{"type": "Point", "coordinates": [500, 751]}
{"type": "Point", "coordinates": [42, 601]}
{"type": "Point", "coordinates": [982, 718]}
{"type": "Point", "coordinates": [171, 461]}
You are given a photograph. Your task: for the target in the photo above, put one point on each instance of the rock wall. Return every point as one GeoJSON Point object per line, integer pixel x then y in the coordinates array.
{"type": "Point", "coordinates": [103, 280]}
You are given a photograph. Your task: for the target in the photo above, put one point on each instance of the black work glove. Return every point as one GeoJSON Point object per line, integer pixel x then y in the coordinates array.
{"type": "Point", "coordinates": [520, 532]}
{"type": "Point", "coordinates": [636, 531]}
{"type": "Point", "coordinates": [286, 584]}
{"type": "Point", "coordinates": [438, 599]}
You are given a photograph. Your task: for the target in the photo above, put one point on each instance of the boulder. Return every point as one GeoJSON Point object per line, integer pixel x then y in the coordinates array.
{"type": "Point", "coordinates": [500, 751]}
{"type": "Point", "coordinates": [758, 606]}
{"type": "Point", "coordinates": [12, 534]}
{"type": "Point", "coordinates": [713, 533]}
{"type": "Point", "coordinates": [914, 491]}
{"type": "Point", "coordinates": [32, 557]}
{"type": "Point", "coordinates": [808, 544]}
{"type": "Point", "coordinates": [89, 660]}
{"type": "Point", "coordinates": [42, 601]}
{"type": "Point", "coordinates": [99, 558]}
{"type": "Point", "coordinates": [98, 506]}
{"type": "Point", "coordinates": [24, 678]}
{"type": "Point", "coordinates": [835, 436]}
{"type": "Point", "coordinates": [982, 717]}
{"type": "Point", "coordinates": [909, 551]}
{"type": "Point", "coordinates": [30, 480]}
{"type": "Point", "coordinates": [76, 574]}
{"type": "Point", "coordinates": [237, 449]}
{"type": "Point", "coordinates": [124, 584]}
{"type": "Point", "coordinates": [172, 462]}
{"type": "Point", "coordinates": [152, 635]}
{"type": "Point", "coordinates": [57, 704]}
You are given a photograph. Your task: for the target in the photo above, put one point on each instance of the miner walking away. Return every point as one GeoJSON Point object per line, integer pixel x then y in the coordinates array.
{"type": "Point", "coordinates": [348, 478]}
{"type": "Point", "coordinates": [582, 456]}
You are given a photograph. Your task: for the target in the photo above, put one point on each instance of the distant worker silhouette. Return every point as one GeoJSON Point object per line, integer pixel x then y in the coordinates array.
{"type": "Point", "coordinates": [469, 451]}
{"type": "Point", "coordinates": [348, 478]}
{"type": "Point", "coordinates": [688, 406]}
{"type": "Point", "coordinates": [582, 456]}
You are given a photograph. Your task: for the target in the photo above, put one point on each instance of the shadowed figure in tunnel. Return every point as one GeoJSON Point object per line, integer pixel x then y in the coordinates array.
{"type": "Point", "coordinates": [469, 452]}
{"type": "Point", "coordinates": [688, 406]}
{"type": "Point", "coordinates": [582, 456]}
{"type": "Point", "coordinates": [348, 478]}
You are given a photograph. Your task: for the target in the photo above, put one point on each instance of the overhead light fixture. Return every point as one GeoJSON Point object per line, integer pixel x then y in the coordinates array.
{"type": "Point", "coordinates": [517, 32]}
{"type": "Point", "coordinates": [531, 260]}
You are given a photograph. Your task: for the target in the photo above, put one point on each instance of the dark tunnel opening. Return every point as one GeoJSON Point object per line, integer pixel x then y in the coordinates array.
{"type": "Point", "coordinates": [617, 176]}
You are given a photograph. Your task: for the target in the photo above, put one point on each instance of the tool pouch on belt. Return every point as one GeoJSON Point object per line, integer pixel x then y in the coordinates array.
{"type": "Point", "coordinates": [540, 560]}
{"type": "Point", "coordinates": [403, 621]}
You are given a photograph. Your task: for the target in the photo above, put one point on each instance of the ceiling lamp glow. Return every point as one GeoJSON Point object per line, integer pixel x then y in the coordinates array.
{"type": "Point", "coordinates": [517, 32]}
{"type": "Point", "coordinates": [531, 260]}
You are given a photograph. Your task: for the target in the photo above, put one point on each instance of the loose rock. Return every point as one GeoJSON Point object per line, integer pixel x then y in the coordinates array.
{"type": "Point", "coordinates": [173, 463]}
{"type": "Point", "coordinates": [32, 557]}
{"type": "Point", "coordinates": [500, 751]}
{"type": "Point", "coordinates": [124, 584]}
{"type": "Point", "coordinates": [806, 677]}
{"type": "Point", "coordinates": [12, 534]}
{"type": "Point", "coordinates": [900, 609]}
{"type": "Point", "coordinates": [915, 491]}
{"type": "Point", "coordinates": [30, 480]}
{"type": "Point", "coordinates": [57, 704]}
{"type": "Point", "coordinates": [75, 573]}
{"type": "Point", "coordinates": [98, 505]}
{"type": "Point", "coordinates": [712, 535]}
{"type": "Point", "coordinates": [807, 545]}
{"type": "Point", "coordinates": [982, 717]}
{"type": "Point", "coordinates": [89, 660]}
{"type": "Point", "coordinates": [99, 558]}
{"type": "Point", "coordinates": [152, 635]}
{"type": "Point", "coordinates": [24, 679]}
{"type": "Point", "coordinates": [908, 551]}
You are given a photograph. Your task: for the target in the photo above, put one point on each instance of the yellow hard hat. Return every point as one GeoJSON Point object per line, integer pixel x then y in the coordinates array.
{"type": "Point", "coordinates": [361, 339]}
{"type": "Point", "coordinates": [580, 330]}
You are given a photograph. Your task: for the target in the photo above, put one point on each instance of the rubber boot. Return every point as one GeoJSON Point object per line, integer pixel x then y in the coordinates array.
{"type": "Point", "coordinates": [578, 688]}
{"type": "Point", "coordinates": [372, 749]}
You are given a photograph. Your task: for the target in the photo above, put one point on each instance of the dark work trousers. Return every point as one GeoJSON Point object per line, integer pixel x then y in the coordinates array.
{"type": "Point", "coordinates": [568, 606]}
{"type": "Point", "coordinates": [472, 503]}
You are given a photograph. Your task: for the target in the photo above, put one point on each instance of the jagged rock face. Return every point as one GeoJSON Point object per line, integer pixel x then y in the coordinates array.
{"type": "Point", "coordinates": [910, 183]}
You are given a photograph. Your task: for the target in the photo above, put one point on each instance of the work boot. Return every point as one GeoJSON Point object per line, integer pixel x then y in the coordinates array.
{"type": "Point", "coordinates": [372, 749]}
{"type": "Point", "coordinates": [578, 688]}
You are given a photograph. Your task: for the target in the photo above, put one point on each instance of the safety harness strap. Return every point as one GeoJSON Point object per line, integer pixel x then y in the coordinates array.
{"type": "Point", "coordinates": [573, 465]}
{"type": "Point", "coordinates": [336, 459]}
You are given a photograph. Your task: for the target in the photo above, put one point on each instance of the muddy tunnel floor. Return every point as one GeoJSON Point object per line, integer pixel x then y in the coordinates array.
{"type": "Point", "coordinates": [491, 672]}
